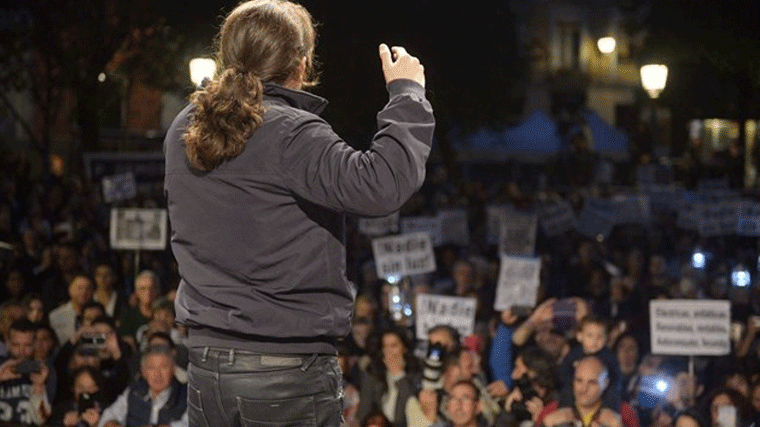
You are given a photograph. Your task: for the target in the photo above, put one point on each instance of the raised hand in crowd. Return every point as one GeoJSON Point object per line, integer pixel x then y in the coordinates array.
{"type": "Point", "coordinates": [543, 313]}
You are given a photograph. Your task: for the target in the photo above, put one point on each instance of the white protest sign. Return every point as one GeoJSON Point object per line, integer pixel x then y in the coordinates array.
{"type": "Point", "coordinates": [632, 208]}
{"type": "Point", "coordinates": [454, 227]}
{"type": "Point", "coordinates": [138, 228]}
{"type": "Point", "coordinates": [403, 255]}
{"type": "Point", "coordinates": [557, 218]}
{"type": "Point", "coordinates": [119, 187]}
{"type": "Point", "coordinates": [423, 224]}
{"type": "Point", "coordinates": [434, 310]}
{"type": "Point", "coordinates": [690, 327]}
{"type": "Point", "coordinates": [379, 226]}
{"type": "Point", "coordinates": [518, 282]}
{"type": "Point", "coordinates": [748, 218]}
{"type": "Point", "coordinates": [689, 210]}
{"type": "Point", "coordinates": [518, 233]}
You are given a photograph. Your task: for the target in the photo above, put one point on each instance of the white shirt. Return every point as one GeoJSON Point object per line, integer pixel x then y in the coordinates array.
{"type": "Point", "coordinates": [63, 320]}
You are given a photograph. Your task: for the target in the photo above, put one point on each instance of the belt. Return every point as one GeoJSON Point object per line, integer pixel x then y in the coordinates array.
{"type": "Point", "coordinates": [220, 356]}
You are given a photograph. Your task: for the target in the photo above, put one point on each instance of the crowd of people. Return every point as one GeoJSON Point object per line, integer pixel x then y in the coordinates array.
{"type": "Point", "coordinates": [89, 337]}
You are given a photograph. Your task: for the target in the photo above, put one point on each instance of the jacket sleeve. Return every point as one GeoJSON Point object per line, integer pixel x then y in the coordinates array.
{"type": "Point", "coordinates": [323, 169]}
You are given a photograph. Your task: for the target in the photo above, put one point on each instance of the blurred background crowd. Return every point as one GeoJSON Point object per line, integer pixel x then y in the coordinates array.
{"type": "Point", "coordinates": [93, 316]}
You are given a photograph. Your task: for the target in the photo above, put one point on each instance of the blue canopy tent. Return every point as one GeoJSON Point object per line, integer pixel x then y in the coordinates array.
{"type": "Point", "coordinates": [608, 141]}
{"type": "Point", "coordinates": [535, 140]}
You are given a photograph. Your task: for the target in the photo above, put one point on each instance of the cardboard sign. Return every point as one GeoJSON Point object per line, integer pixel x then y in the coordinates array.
{"type": "Point", "coordinates": [434, 310]}
{"type": "Point", "coordinates": [423, 224]}
{"type": "Point", "coordinates": [379, 226]}
{"type": "Point", "coordinates": [557, 218]}
{"type": "Point", "coordinates": [690, 327]}
{"type": "Point", "coordinates": [518, 233]}
{"type": "Point", "coordinates": [493, 223]}
{"type": "Point", "coordinates": [454, 227]}
{"type": "Point", "coordinates": [748, 221]}
{"type": "Point", "coordinates": [138, 229]}
{"type": "Point", "coordinates": [403, 255]}
{"type": "Point", "coordinates": [119, 187]}
{"type": "Point", "coordinates": [518, 282]}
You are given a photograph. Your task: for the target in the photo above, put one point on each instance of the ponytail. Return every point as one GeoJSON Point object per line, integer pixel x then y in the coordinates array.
{"type": "Point", "coordinates": [227, 112]}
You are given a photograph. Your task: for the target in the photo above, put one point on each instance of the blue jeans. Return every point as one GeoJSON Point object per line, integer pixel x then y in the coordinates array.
{"type": "Point", "coordinates": [233, 388]}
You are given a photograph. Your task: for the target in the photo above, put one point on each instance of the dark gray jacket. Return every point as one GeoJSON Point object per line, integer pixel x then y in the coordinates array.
{"type": "Point", "coordinates": [260, 240]}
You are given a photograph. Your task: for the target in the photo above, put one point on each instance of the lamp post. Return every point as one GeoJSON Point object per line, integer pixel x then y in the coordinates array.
{"type": "Point", "coordinates": [653, 79]}
{"type": "Point", "coordinates": [607, 47]}
{"type": "Point", "coordinates": [201, 70]}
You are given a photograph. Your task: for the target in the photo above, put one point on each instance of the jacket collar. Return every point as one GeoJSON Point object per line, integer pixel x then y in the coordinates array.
{"type": "Point", "coordinates": [294, 98]}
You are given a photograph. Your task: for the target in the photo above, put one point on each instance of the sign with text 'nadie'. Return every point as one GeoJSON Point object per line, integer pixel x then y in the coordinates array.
{"type": "Point", "coordinates": [403, 255]}
{"type": "Point", "coordinates": [434, 310]}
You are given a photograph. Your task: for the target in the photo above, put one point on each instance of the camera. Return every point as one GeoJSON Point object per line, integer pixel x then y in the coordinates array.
{"type": "Point", "coordinates": [87, 401]}
{"type": "Point", "coordinates": [519, 410]}
{"type": "Point", "coordinates": [93, 341]}
{"type": "Point", "coordinates": [431, 374]}
{"type": "Point", "coordinates": [652, 390]}
{"type": "Point", "coordinates": [28, 367]}
{"type": "Point", "coordinates": [563, 318]}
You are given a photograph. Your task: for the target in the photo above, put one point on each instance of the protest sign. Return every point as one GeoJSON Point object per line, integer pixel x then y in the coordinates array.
{"type": "Point", "coordinates": [379, 226]}
{"type": "Point", "coordinates": [557, 218]}
{"type": "Point", "coordinates": [689, 211]}
{"type": "Point", "coordinates": [434, 310]}
{"type": "Point", "coordinates": [133, 228]}
{"type": "Point", "coordinates": [403, 255]}
{"type": "Point", "coordinates": [423, 224]}
{"type": "Point", "coordinates": [690, 327]}
{"type": "Point", "coordinates": [718, 218]}
{"type": "Point", "coordinates": [518, 282]}
{"type": "Point", "coordinates": [494, 215]}
{"type": "Point", "coordinates": [119, 187]}
{"type": "Point", "coordinates": [632, 208]}
{"type": "Point", "coordinates": [518, 233]}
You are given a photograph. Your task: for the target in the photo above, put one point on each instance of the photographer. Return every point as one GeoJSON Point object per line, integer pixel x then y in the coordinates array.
{"type": "Point", "coordinates": [534, 378]}
{"type": "Point", "coordinates": [23, 387]}
{"type": "Point", "coordinates": [83, 410]}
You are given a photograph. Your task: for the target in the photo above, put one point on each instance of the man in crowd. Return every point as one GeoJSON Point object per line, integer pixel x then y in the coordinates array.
{"type": "Point", "coordinates": [156, 398]}
{"type": "Point", "coordinates": [23, 380]}
{"type": "Point", "coordinates": [64, 318]}
{"type": "Point", "coordinates": [590, 380]}
{"type": "Point", "coordinates": [463, 406]}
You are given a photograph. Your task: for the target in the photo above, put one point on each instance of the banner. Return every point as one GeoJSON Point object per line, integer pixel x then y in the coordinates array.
{"type": "Point", "coordinates": [518, 233]}
{"type": "Point", "coordinates": [403, 255]}
{"type": "Point", "coordinates": [519, 278]}
{"type": "Point", "coordinates": [690, 327]}
{"type": "Point", "coordinates": [718, 218]}
{"type": "Point", "coordinates": [434, 310]}
{"type": "Point", "coordinates": [119, 187]}
{"type": "Point", "coordinates": [133, 228]}
{"type": "Point", "coordinates": [379, 226]}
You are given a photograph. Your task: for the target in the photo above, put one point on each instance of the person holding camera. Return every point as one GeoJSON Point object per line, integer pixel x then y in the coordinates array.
{"type": "Point", "coordinates": [84, 408]}
{"type": "Point", "coordinates": [23, 379]}
{"type": "Point", "coordinates": [534, 378]}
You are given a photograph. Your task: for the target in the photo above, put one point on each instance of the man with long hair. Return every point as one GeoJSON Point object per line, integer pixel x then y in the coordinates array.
{"type": "Point", "coordinates": [258, 186]}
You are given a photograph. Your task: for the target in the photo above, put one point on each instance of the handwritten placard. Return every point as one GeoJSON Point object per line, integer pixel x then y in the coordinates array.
{"type": "Point", "coordinates": [434, 310]}
{"type": "Point", "coordinates": [423, 224]}
{"type": "Point", "coordinates": [133, 228]}
{"type": "Point", "coordinates": [690, 327]}
{"type": "Point", "coordinates": [518, 282]}
{"type": "Point", "coordinates": [403, 255]}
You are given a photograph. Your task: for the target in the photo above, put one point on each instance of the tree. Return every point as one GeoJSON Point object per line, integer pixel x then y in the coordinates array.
{"type": "Point", "coordinates": [59, 49]}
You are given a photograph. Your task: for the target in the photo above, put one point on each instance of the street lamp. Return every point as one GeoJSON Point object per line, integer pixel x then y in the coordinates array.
{"type": "Point", "coordinates": [653, 79]}
{"type": "Point", "coordinates": [606, 45]}
{"type": "Point", "coordinates": [201, 70]}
